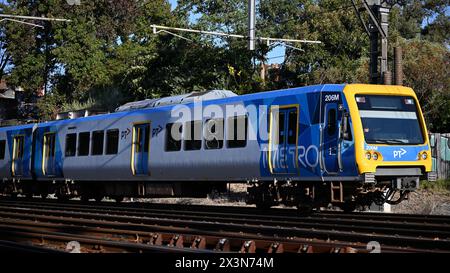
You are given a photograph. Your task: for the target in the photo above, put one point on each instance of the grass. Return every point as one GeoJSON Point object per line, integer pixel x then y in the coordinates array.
{"type": "Point", "coordinates": [441, 185]}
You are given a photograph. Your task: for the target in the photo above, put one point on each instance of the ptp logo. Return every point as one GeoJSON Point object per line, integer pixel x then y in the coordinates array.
{"type": "Point", "coordinates": [74, 2]}
{"type": "Point", "coordinates": [399, 153]}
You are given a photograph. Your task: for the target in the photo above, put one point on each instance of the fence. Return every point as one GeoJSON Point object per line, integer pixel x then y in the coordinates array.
{"type": "Point", "coordinates": [440, 152]}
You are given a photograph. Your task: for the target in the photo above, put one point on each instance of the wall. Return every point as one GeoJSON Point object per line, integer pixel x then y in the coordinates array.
{"type": "Point", "coordinates": [440, 151]}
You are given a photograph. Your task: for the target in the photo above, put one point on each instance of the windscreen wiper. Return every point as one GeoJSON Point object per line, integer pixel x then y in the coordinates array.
{"type": "Point", "coordinates": [388, 141]}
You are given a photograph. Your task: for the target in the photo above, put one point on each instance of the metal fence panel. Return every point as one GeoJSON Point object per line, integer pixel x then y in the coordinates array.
{"type": "Point", "coordinates": [440, 152]}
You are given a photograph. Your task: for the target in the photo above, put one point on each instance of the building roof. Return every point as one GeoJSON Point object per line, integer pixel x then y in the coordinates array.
{"type": "Point", "coordinates": [7, 94]}
{"type": "Point", "coordinates": [5, 91]}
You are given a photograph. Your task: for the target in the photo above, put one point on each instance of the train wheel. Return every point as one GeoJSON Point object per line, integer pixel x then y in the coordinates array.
{"type": "Point", "coordinates": [349, 206]}
{"type": "Point", "coordinates": [118, 199]}
{"type": "Point", "coordinates": [304, 209]}
{"type": "Point", "coordinates": [98, 198]}
{"type": "Point", "coordinates": [62, 198]}
{"type": "Point", "coordinates": [263, 205]}
{"type": "Point", "coordinates": [29, 196]}
{"type": "Point", "coordinates": [84, 198]}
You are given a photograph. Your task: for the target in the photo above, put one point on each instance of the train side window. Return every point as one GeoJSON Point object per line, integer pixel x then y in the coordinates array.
{"type": "Point", "coordinates": [237, 128]}
{"type": "Point", "coordinates": [213, 133]}
{"type": "Point", "coordinates": [292, 127]}
{"type": "Point", "coordinates": [331, 122]}
{"type": "Point", "coordinates": [193, 135]}
{"type": "Point", "coordinates": [49, 145]}
{"type": "Point", "coordinates": [173, 136]}
{"type": "Point", "coordinates": [2, 149]}
{"type": "Point", "coordinates": [112, 141]}
{"type": "Point", "coordinates": [279, 120]}
{"type": "Point", "coordinates": [147, 138]}
{"type": "Point", "coordinates": [97, 142]}
{"type": "Point", "coordinates": [71, 144]}
{"type": "Point", "coordinates": [348, 134]}
{"type": "Point", "coordinates": [83, 143]}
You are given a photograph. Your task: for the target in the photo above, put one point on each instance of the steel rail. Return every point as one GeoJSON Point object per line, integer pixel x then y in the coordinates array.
{"type": "Point", "coordinates": [376, 227]}
{"type": "Point", "coordinates": [33, 233]}
{"type": "Point", "coordinates": [246, 211]}
{"type": "Point", "coordinates": [8, 246]}
{"type": "Point", "coordinates": [264, 229]}
{"type": "Point", "coordinates": [390, 227]}
{"type": "Point", "coordinates": [236, 239]}
{"type": "Point", "coordinates": [120, 230]}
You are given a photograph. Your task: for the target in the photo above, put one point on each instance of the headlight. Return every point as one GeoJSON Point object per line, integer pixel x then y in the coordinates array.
{"type": "Point", "coordinates": [375, 156]}
{"type": "Point", "coordinates": [368, 155]}
{"type": "Point", "coordinates": [424, 156]}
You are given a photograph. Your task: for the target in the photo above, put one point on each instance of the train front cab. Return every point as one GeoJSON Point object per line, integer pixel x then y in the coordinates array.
{"type": "Point", "coordinates": [392, 150]}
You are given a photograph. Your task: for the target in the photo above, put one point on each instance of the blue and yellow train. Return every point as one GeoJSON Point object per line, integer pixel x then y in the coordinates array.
{"type": "Point", "coordinates": [348, 145]}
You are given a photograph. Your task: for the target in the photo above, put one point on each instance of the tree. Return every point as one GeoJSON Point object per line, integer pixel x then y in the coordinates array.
{"type": "Point", "coordinates": [5, 57]}
{"type": "Point", "coordinates": [229, 60]}
{"type": "Point", "coordinates": [86, 58]}
{"type": "Point", "coordinates": [426, 69]}
{"type": "Point", "coordinates": [108, 54]}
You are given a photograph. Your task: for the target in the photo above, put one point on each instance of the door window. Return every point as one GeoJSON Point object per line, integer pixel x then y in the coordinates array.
{"type": "Point", "coordinates": [18, 153]}
{"type": "Point", "coordinates": [2, 149]}
{"type": "Point", "coordinates": [140, 150]}
{"type": "Point", "coordinates": [331, 122]}
{"type": "Point", "coordinates": [283, 143]}
{"type": "Point", "coordinates": [49, 154]}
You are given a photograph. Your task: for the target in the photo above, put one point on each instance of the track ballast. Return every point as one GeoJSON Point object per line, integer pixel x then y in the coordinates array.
{"type": "Point", "coordinates": [147, 227]}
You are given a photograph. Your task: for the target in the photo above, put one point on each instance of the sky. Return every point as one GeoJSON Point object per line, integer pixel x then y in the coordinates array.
{"type": "Point", "coordinates": [276, 55]}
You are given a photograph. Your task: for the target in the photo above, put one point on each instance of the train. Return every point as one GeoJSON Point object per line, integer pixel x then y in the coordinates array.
{"type": "Point", "coordinates": [348, 145]}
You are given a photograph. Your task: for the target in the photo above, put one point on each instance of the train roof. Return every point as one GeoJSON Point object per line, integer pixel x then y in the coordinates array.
{"type": "Point", "coordinates": [179, 99]}
{"type": "Point", "coordinates": [168, 107]}
{"type": "Point", "coordinates": [18, 127]}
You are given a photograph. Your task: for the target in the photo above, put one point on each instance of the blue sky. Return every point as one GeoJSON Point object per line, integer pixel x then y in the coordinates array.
{"type": "Point", "coordinates": [274, 56]}
{"type": "Point", "coordinates": [277, 54]}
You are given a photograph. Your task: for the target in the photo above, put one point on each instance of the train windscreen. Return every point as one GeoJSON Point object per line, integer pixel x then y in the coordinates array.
{"type": "Point", "coordinates": [389, 119]}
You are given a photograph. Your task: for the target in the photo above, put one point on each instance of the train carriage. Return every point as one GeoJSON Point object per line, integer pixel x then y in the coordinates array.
{"type": "Point", "coordinates": [348, 145]}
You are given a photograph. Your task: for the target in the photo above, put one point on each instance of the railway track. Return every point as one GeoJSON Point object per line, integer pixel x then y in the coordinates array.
{"type": "Point", "coordinates": [144, 227]}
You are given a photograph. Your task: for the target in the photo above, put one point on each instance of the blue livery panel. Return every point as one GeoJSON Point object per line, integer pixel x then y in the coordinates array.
{"type": "Point", "coordinates": [48, 156]}
{"type": "Point", "coordinates": [20, 143]}
{"type": "Point", "coordinates": [319, 110]}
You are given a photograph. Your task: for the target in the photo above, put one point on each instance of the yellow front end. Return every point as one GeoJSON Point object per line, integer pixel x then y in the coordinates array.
{"type": "Point", "coordinates": [370, 156]}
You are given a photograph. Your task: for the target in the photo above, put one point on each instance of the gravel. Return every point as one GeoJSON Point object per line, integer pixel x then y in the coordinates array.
{"type": "Point", "coordinates": [419, 202]}
{"type": "Point", "coordinates": [425, 202]}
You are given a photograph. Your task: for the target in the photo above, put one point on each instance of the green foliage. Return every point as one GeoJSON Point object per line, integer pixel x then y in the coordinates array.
{"type": "Point", "coordinates": [87, 56]}
{"type": "Point", "coordinates": [440, 185]}
{"type": "Point", "coordinates": [427, 71]}
{"type": "Point", "coordinates": [108, 54]}
{"type": "Point", "coordinates": [77, 105]}
{"type": "Point", "coordinates": [49, 106]}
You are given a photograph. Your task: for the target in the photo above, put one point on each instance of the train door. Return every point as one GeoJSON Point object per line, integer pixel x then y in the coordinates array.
{"type": "Point", "coordinates": [48, 154]}
{"type": "Point", "coordinates": [140, 148]}
{"type": "Point", "coordinates": [330, 138]}
{"type": "Point", "coordinates": [283, 139]}
{"type": "Point", "coordinates": [18, 155]}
